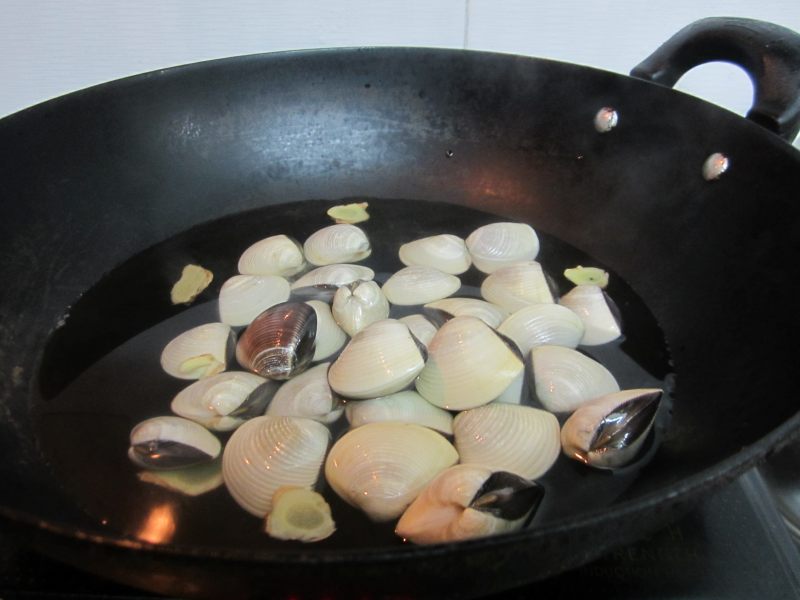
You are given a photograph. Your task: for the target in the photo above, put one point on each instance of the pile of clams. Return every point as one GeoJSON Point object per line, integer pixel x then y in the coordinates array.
{"type": "Point", "coordinates": [455, 406]}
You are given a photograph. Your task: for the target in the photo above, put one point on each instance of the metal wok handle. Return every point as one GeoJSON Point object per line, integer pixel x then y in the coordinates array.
{"type": "Point", "coordinates": [768, 53]}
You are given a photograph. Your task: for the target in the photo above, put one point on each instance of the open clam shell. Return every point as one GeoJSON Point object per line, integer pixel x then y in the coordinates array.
{"type": "Point", "coordinates": [276, 255]}
{"type": "Point", "coordinates": [243, 297]}
{"type": "Point", "coordinates": [171, 443]}
{"type": "Point", "coordinates": [405, 407]}
{"type": "Point", "coordinates": [329, 337]}
{"type": "Point", "coordinates": [508, 437]}
{"type": "Point", "coordinates": [419, 285]}
{"type": "Point", "coordinates": [468, 365]}
{"type": "Point", "coordinates": [597, 312]}
{"type": "Point", "coordinates": [359, 304]}
{"type": "Point", "coordinates": [469, 501]}
{"type": "Point", "coordinates": [338, 274]}
{"type": "Point", "coordinates": [309, 396]}
{"type": "Point", "coordinates": [540, 324]}
{"type": "Point", "coordinates": [500, 244]}
{"type": "Point", "coordinates": [200, 352]}
{"type": "Point", "coordinates": [267, 453]}
{"type": "Point", "coordinates": [279, 343]}
{"type": "Point", "coordinates": [446, 253]}
{"type": "Point", "coordinates": [215, 401]}
{"type": "Point", "coordinates": [421, 327]}
{"type": "Point", "coordinates": [381, 467]}
{"type": "Point", "coordinates": [341, 243]}
{"type": "Point", "coordinates": [518, 285]}
{"type": "Point", "coordinates": [608, 432]}
{"type": "Point", "coordinates": [487, 312]}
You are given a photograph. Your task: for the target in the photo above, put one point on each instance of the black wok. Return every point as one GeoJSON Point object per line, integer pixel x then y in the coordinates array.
{"type": "Point", "coordinates": [118, 171]}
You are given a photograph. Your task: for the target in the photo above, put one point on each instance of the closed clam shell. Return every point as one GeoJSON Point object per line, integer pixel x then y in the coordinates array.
{"type": "Point", "coordinates": [446, 253]}
{"type": "Point", "coordinates": [508, 437]}
{"type": "Point", "coordinates": [276, 255]}
{"type": "Point", "coordinates": [489, 313]}
{"type": "Point", "coordinates": [243, 297]}
{"type": "Point", "coordinates": [518, 285]}
{"type": "Point", "coordinates": [338, 274]}
{"type": "Point", "coordinates": [359, 304]}
{"type": "Point", "coordinates": [341, 243]}
{"type": "Point", "coordinates": [210, 401]}
{"type": "Point", "coordinates": [381, 359]}
{"type": "Point", "coordinates": [308, 395]}
{"type": "Point", "coordinates": [381, 467]}
{"type": "Point", "coordinates": [405, 407]}
{"type": "Point", "coordinates": [468, 365]}
{"type": "Point", "coordinates": [171, 443]}
{"type": "Point", "coordinates": [199, 352]}
{"type": "Point", "coordinates": [269, 452]}
{"type": "Point", "coordinates": [564, 379]}
{"type": "Point", "coordinates": [279, 343]}
{"type": "Point", "coordinates": [540, 324]}
{"type": "Point", "coordinates": [330, 337]}
{"type": "Point", "coordinates": [500, 244]}
{"type": "Point", "coordinates": [420, 327]}
{"type": "Point", "coordinates": [419, 285]}
{"type": "Point", "coordinates": [596, 311]}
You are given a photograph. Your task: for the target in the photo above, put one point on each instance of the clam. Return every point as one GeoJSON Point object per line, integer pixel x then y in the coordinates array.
{"type": "Point", "coordinates": [381, 359]}
{"type": "Point", "coordinates": [405, 407]}
{"type": "Point", "coordinates": [564, 379]}
{"type": "Point", "coordinates": [540, 324]}
{"type": "Point", "coordinates": [200, 352]}
{"type": "Point", "coordinates": [513, 393]}
{"type": "Point", "coordinates": [279, 343]}
{"type": "Point", "coordinates": [299, 514]}
{"type": "Point", "coordinates": [171, 443]}
{"type": "Point", "coordinates": [219, 402]}
{"type": "Point", "coordinates": [469, 501]}
{"type": "Point", "coordinates": [359, 304]}
{"type": "Point", "coordinates": [500, 244]}
{"type": "Point", "coordinates": [267, 453]}
{"type": "Point", "coordinates": [308, 395]}
{"type": "Point", "coordinates": [608, 432]}
{"type": "Point", "coordinates": [421, 327]}
{"type": "Point", "coordinates": [243, 297]}
{"type": "Point", "coordinates": [381, 467]}
{"type": "Point", "coordinates": [276, 255]}
{"type": "Point", "coordinates": [487, 312]}
{"type": "Point", "coordinates": [329, 337]}
{"type": "Point", "coordinates": [337, 275]}
{"type": "Point", "coordinates": [515, 286]}
{"type": "Point", "coordinates": [341, 243]}
{"type": "Point", "coordinates": [508, 437]}
{"type": "Point", "coordinates": [599, 314]}
{"type": "Point", "coordinates": [322, 292]}
{"type": "Point", "coordinates": [419, 285]}
{"type": "Point", "coordinates": [446, 253]}
{"type": "Point", "coordinates": [468, 365]}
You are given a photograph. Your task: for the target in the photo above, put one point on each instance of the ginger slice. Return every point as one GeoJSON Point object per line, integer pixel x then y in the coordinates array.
{"type": "Point", "coordinates": [587, 276]}
{"type": "Point", "coordinates": [299, 514]}
{"type": "Point", "coordinates": [194, 279]}
{"type": "Point", "coordinates": [349, 213]}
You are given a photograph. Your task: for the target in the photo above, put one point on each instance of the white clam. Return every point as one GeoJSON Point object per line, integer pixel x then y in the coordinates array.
{"type": "Point", "coordinates": [276, 255]}
{"type": "Point", "coordinates": [269, 452]}
{"type": "Point", "coordinates": [210, 401]}
{"type": "Point", "coordinates": [487, 312]}
{"type": "Point", "coordinates": [341, 243]}
{"type": "Point", "coordinates": [200, 352]}
{"type": "Point", "coordinates": [359, 304]}
{"type": "Point", "coordinates": [540, 324]}
{"type": "Point", "coordinates": [420, 327]}
{"type": "Point", "coordinates": [243, 297]}
{"type": "Point", "coordinates": [507, 437]}
{"type": "Point", "coordinates": [171, 443]}
{"type": "Point", "coordinates": [308, 395]}
{"type": "Point", "coordinates": [338, 274]}
{"type": "Point", "coordinates": [565, 379]}
{"type": "Point", "coordinates": [515, 286]}
{"type": "Point", "coordinates": [405, 407]}
{"type": "Point", "coordinates": [419, 285]}
{"type": "Point", "coordinates": [329, 337]}
{"type": "Point", "coordinates": [381, 467]}
{"type": "Point", "coordinates": [592, 305]}
{"type": "Point", "coordinates": [444, 252]}
{"type": "Point", "coordinates": [466, 502]}
{"type": "Point", "coordinates": [381, 359]}
{"type": "Point", "coordinates": [468, 365]}
{"type": "Point", "coordinates": [513, 393]}
{"type": "Point", "coordinates": [501, 244]}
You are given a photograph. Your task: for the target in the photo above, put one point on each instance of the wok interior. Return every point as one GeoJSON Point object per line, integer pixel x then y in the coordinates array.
{"type": "Point", "coordinates": [102, 175]}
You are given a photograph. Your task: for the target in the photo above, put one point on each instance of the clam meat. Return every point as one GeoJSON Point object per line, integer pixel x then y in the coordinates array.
{"type": "Point", "coordinates": [171, 443]}
{"type": "Point", "coordinates": [341, 243]}
{"type": "Point", "coordinates": [446, 253]}
{"type": "Point", "coordinates": [276, 255]}
{"type": "Point", "coordinates": [200, 352]}
{"type": "Point", "coordinates": [359, 304]}
{"type": "Point", "coordinates": [501, 244]}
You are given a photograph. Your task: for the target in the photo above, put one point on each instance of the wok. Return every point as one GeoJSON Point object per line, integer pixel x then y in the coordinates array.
{"type": "Point", "coordinates": [95, 179]}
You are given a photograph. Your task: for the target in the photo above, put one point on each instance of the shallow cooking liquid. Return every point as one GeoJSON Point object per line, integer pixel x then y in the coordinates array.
{"type": "Point", "coordinates": [100, 375]}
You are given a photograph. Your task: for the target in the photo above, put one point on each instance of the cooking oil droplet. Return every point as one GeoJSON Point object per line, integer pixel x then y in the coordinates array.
{"type": "Point", "coordinates": [715, 166]}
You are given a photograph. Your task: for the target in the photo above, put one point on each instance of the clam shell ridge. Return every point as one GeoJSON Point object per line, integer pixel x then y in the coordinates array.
{"type": "Point", "coordinates": [381, 467]}
{"type": "Point", "coordinates": [269, 452]}
{"type": "Point", "coordinates": [341, 243]}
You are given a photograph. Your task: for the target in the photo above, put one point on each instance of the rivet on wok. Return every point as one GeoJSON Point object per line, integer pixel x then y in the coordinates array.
{"type": "Point", "coordinates": [606, 119]}
{"type": "Point", "coordinates": [449, 153]}
{"type": "Point", "coordinates": [715, 166]}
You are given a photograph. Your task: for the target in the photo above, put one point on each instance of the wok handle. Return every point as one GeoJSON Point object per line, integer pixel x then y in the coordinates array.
{"type": "Point", "coordinates": [769, 54]}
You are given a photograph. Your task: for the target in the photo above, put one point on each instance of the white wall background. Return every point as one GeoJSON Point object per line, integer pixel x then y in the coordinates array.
{"type": "Point", "coordinates": [50, 47]}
